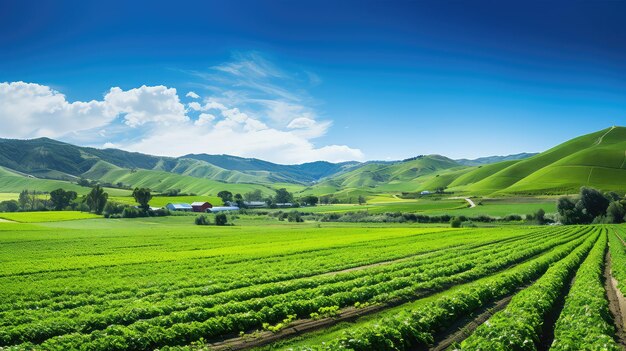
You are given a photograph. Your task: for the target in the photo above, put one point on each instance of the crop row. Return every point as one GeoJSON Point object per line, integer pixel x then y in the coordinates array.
{"type": "Point", "coordinates": [415, 271]}
{"type": "Point", "coordinates": [585, 321]}
{"type": "Point", "coordinates": [618, 257]}
{"type": "Point", "coordinates": [519, 325]}
{"type": "Point", "coordinates": [190, 325]}
{"type": "Point", "coordinates": [167, 304]}
{"type": "Point", "coordinates": [414, 328]}
{"type": "Point", "coordinates": [188, 277]}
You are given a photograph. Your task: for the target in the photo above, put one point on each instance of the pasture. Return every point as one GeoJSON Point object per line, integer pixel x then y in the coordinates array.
{"type": "Point", "coordinates": [146, 283]}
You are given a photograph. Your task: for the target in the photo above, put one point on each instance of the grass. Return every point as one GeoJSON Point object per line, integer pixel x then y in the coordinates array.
{"type": "Point", "coordinates": [46, 216]}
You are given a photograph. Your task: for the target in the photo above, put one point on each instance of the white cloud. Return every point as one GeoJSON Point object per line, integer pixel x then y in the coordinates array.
{"type": "Point", "coordinates": [195, 106]}
{"type": "Point", "coordinates": [204, 119]}
{"type": "Point", "coordinates": [157, 104]}
{"type": "Point", "coordinates": [152, 119]}
{"type": "Point", "coordinates": [31, 110]}
{"type": "Point", "coordinates": [192, 95]}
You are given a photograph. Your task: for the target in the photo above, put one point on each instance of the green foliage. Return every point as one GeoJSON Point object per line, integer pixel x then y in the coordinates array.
{"type": "Point", "coordinates": [202, 220]}
{"type": "Point", "coordinates": [283, 196]}
{"type": "Point", "coordinates": [455, 222]}
{"type": "Point", "coordinates": [221, 219]}
{"type": "Point", "coordinates": [294, 216]}
{"type": "Point", "coordinates": [9, 206]}
{"type": "Point", "coordinates": [96, 199]}
{"type": "Point", "coordinates": [61, 199]}
{"type": "Point", "coordinates": [585, 322]}
{"type": "Point", "coordinates": [226, 196]}
{"type": "Point", "coordinates": [142, 196]}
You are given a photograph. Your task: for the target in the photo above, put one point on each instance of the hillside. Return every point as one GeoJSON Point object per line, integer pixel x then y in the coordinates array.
{"type": "Point", "coordinates": [597, 159]}
{"type": "Point", "coordinates": [51, 159]}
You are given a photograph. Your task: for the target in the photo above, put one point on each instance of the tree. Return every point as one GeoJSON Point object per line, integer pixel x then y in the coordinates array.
{"type": "Point", "coordinates": [96, 199]}
{"type": "Point", "coordinates": [226, 196]}
{"type": "Point", "coordinates": [239, 200]}
{"type": "Point", "coordinates": [310, 200]}
{"type": "Point", "coordinates": [255, 195]}
{"type": "Point", "coordinates": [361, 199]}
{"type": "Point", "coordinates": [540, 216]}
{"type": "Point", "coordinates": [142, 197]}
{"type": "Point", "coordinates": [61, 199]}
{"type": "Point", "coordinates": [615, 212]}
{"type": "Point", "coordinates": [24, 199]}
{"type": "Point", "coordinates": [283, 196]}
{"type": "Point", "coordinates": [593, 202]}
{"type": "Point", "coordinates": [9, 206]}
{"type": "Point", "coordinates": [221, 219]}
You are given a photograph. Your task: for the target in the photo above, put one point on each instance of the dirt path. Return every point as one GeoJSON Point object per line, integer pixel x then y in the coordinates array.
{"type": "Point", "coordinates": [2, 220]}
{"type": "Point", "coordinates": [463, 329]}
{"type": "Point", "coordinates": [599, 141]}
{"type": "Point", "coordinates": [617, 302]}
{"type": "Point", "coordinates": [470, 202]}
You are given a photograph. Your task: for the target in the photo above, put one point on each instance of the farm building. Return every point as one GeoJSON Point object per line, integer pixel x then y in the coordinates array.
{"type": "Point", "coordinates": [425, 192]}
{"type": "Point", "coordinates": [200, 206]}
{"type": "Point", "coordinates": [179, 207]}
{"type": "Point", "coordinates": [284, 204]}
{"type": "Point", "coordinates": [255, 204]}
{"type": "Point", "coordinates": [222, 209]}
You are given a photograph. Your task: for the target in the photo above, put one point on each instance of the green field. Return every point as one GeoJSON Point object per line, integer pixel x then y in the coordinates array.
{"type": "Point", "coordinates": [103, 284]}
{"type": "Point", "coordinates": [46, 216]}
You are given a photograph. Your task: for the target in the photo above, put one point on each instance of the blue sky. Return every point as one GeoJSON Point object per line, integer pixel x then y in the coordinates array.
{"type": "Point", "coordinates": [296, 81]}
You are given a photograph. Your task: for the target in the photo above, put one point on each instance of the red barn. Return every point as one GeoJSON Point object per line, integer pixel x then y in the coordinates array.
{"type": "Point", "coordinates": [201, 206]}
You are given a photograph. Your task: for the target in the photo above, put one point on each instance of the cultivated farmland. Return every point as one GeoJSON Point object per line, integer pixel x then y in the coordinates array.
{"type": "Point", "coordinates": [164, 283]}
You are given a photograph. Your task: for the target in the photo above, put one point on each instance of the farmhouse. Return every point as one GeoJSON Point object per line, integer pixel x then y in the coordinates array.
{"type": "Point", "coordinates": [284, 204]}
{"type": "Point", "coordinates": [222, 209]}
{"type": "Point", "coordinates": [200, 206]}
{"type": "Point", "coordinates": [179, 207]}
{"type": "Point", "coordinates": [425, 192]}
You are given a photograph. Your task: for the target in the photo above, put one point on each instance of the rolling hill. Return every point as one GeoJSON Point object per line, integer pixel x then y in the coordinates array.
{"type": "Point", "coordinates": [597, 159]}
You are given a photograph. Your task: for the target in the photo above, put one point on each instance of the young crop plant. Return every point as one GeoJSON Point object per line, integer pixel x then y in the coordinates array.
{"type": "Point", "coordinates": [413, 329]}
{"type": "Point", "coordinates": [519, 325]}
{"type": "Point", "coordinates": [585, 321]}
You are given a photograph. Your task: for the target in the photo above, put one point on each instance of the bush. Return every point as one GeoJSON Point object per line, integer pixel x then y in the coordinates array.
{"type": "Point", "coordinates": [131, 212]}
{"type": "Point", "coordinates": [221, 219]}
{"type": "Point", "coordinates": [294, 216]}
{"type": "Point", "coordinates": [9, 206]}
{"type": "Point", "coordinates": [202, 220]}
{"type": "Point", "coordinates": [455, 223]}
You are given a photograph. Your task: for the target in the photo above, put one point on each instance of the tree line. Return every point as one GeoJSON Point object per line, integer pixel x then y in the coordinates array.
{"type": "Point", "coordinates": [592, 207]}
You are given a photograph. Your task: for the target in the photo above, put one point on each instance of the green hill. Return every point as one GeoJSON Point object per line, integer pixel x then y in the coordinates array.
{"type": "Point", "coordinates": [597, 159]}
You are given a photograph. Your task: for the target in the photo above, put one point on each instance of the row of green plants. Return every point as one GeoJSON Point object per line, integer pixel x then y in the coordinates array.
{"type": "Point", "coordinates": [54, 301]}
{"type": "Point", "coordinates": [520, 325]}
{"type": "Point", "coordinates": [585, 321]}
{"type": "Point", "coordinates": [618, 257]}
{"type": "Point", "coordinates": [167, 303]}
{"type": "Point", "coordinates": [414, 329]}
{"type": "Point", "coordinates": [232, 317]}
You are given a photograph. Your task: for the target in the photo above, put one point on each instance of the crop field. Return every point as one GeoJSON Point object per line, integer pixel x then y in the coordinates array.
{"type": "Point", "coordinates": [46, 216]}
{"type": "Point", "coordinates": [165, 283]}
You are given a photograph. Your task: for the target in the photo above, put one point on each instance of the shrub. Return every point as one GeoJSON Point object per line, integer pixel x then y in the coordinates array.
{"type": "Point", "coordinates": [202, 220]}
{"type": "Point", "coordinates": [221, 219]}
{"type": "Point", "coordinates": [455, 223]}
{"type": "Point", "coordinates": [294, 216]}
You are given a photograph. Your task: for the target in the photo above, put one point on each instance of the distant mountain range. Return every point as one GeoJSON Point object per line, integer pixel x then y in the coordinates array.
{"type": "Point", "coordinates": [596, 159]}
{"type": "Point", "coordinates": [494, 159]}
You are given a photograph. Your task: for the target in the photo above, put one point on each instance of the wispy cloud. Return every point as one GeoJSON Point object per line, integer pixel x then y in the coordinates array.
{"type": "Point", "coordinates": [247, 107]}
